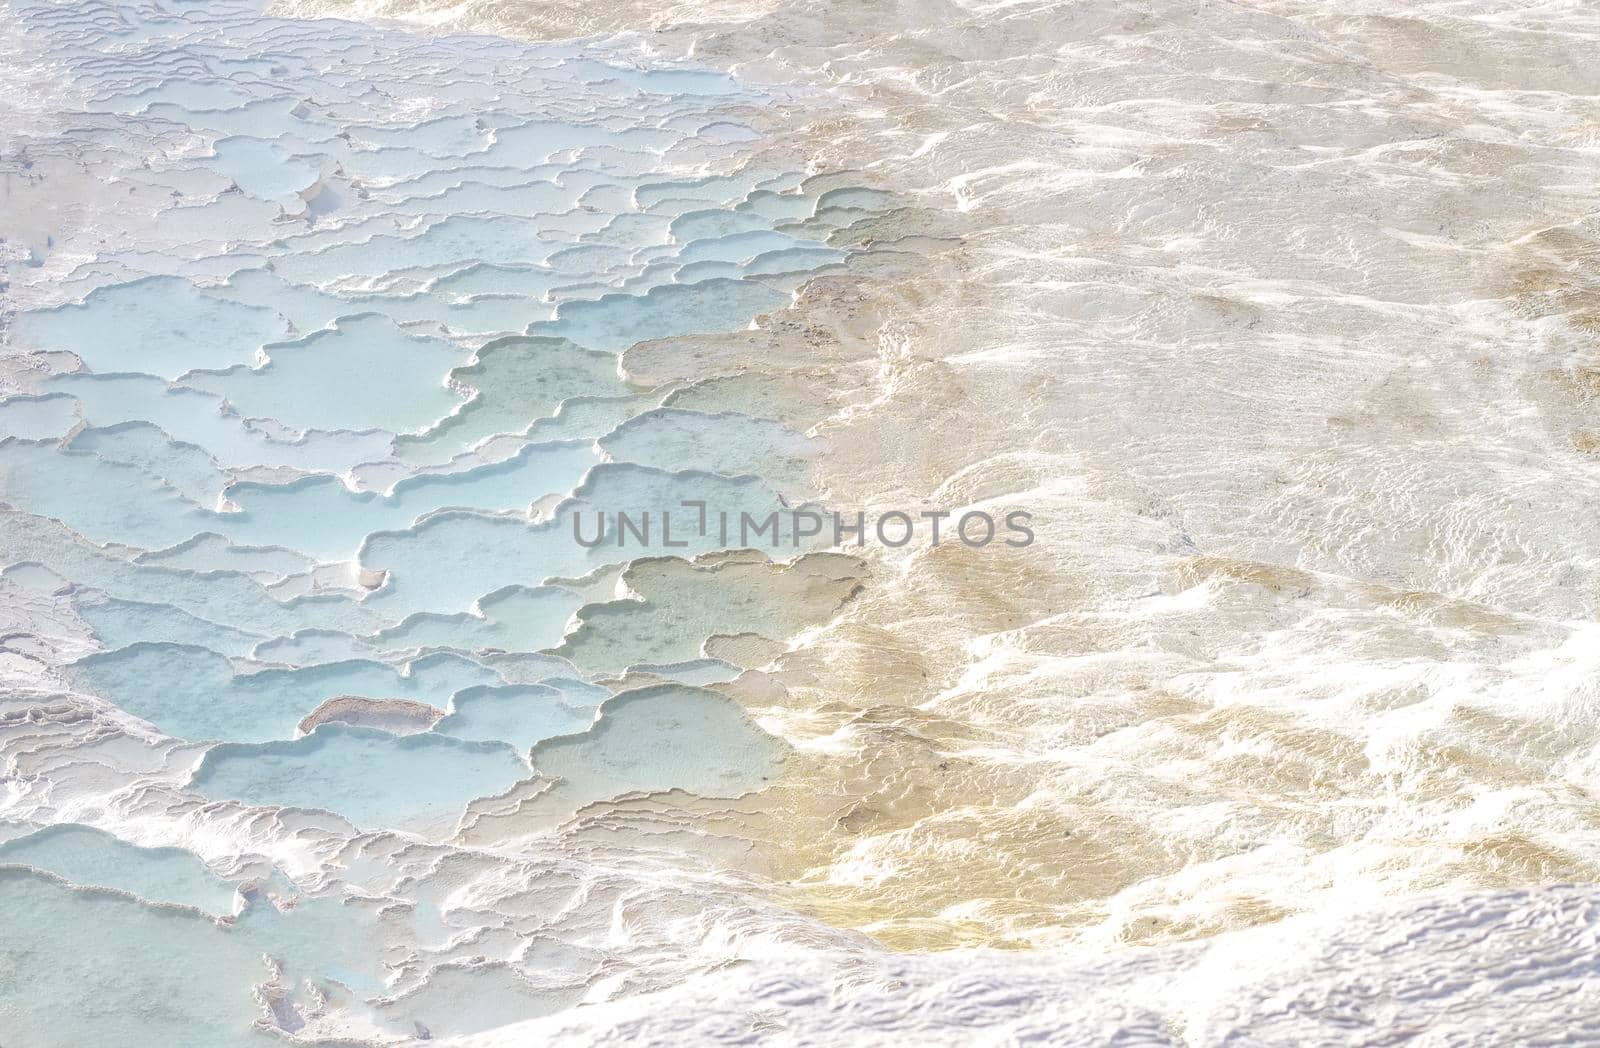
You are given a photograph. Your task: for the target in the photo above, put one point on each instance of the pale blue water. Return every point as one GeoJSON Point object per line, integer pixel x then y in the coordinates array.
{"type": "Point", "coordinates": [664, 737]}
{"type": "Point", "coordinates": [520, 714]}
{"type": "Point", "coordinates": [364, 373]}
{"type": "Point", "coordinates": [511, 619]}
{"type": "Point", "coordinates": [106, 967]}
{"type": "Point", "coordinates": [158, 326]}
{"type": "Point", "coordinates": [37, 417]}
{"type": "Point", "coordinates": [193, 693]}
{"type": "Point", "coordinates": [87, 856]}
{"type": "Point", "coordinates": [355, 773]}
{"type": "Point", "coordinates": [321, 432]}
{"type": "Point", "coordinates": [191, 416]}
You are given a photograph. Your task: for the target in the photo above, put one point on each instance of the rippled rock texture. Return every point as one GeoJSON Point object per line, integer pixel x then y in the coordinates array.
{"type": "Point", "coordinates": [321, 335]}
